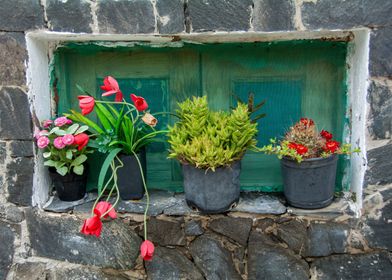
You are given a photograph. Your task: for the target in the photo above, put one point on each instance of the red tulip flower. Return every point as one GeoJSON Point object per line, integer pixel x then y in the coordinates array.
{"type": "Point", "coordinates": [331, 146]}
{"type": "Point", "coordinates": [86, 103]}
{"type": "Point", "coordinates": [93, 225]}
{"type": "Point", "coordinates": [301, 149]}
{"type": "Point", "coordinates": [307, 122]}
{"type": "Point", "coordinates": [110, 86]}
{"type": "Point", "coordinates": [104, 206]}
{"type": "Point", "coordinates": [140, 102]}
{"type": "Point", "coordinates": [326, 135]}
{"type": "Point", "coordinates": [147, 250]}
{"type": "Point", "coordinates": [81, 140]}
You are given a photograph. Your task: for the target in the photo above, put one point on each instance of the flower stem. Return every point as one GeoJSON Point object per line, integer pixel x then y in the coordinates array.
{"type": "Point", "coordinates": [147, 196]}
{"type": "Point", "coordinates": [115, 186]}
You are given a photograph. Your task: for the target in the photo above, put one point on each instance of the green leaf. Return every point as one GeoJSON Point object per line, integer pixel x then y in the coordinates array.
{"type": "Point", "coordinates": [82, 89]}
{"type": "Point", "coordinates": [59, 164]}
{"type": "Point", "coordinates": [105, 166]}
{"type": "Point", "coordinates": [47, 154]}
{"type": "Point", "coordinates": [60, 132]}
{"type": "Point", "coordinates": [72, 128]}
{"type": "Point", "coordinates": [103, 120]}
{"type": "Point", "coordinates": [81, 129]}
{"type": "Point", "coordinates": [50, 163]}
{"type": "Point", "coordinates": [78, 169]}
{"type": "Point", "coordinates": [79, 160]}
{"type": "Point", "coordinates": [69, 154]}
{"type": "Point", "coordinates": [53, 130]}
{"type": "Point", "coordinates": [80, 118]}
{"type": "Point", "coordinates": [62, 170]}
{"type": "Point", "coordinates": [107, 113]}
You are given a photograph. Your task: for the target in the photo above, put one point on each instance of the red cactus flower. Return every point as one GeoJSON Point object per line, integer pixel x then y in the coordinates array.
{"type": "Point", "coordinates": [93, 225]}
{"type": "Point", "coordinates": [301, 149]}
{"type": "Point", "coordinates": [86, 103]}
{"type": "Point", "coordinates": [147, 250]}
{"type": "Point", "coordinates": [331, 146]}
{"type": "Point", "coordinates": [140, 102]}
{"type": "Point", "coordinates": [326, 135]}
{"type": "Point", "coordinates": [81, 140]}
{"type": "Point", "coordinates": [110, 86]}
{"type": "Point", "coordinates": [307, 122]}
{"type": "Point", "coordinates": [292, 146]}
{"type": "Point", "coordinates": [104, 206]}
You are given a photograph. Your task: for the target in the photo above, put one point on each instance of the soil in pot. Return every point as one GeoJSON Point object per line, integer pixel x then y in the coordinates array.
{"type": "Point", "coordinates": [129, 179]}
{"type": "Point", "coordinates": [212, 192]}
{"type": "Point", "coordinates": [311, 183]}
{"type": "Point", "coordinates": [70, 187]}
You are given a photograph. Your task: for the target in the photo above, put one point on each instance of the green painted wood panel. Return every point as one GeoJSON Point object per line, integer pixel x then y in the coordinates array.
{"type": "Point", "coordinates": [300, 78]}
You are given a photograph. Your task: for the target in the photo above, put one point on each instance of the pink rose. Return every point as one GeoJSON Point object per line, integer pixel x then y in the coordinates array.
{"type": "Point", "coordinates": [69, 121]}
{"type": "Point", "coordinates": [38, 134]}
{"type": "Point", "coordinates": [42, 142]}
{"type": "Point", "coordinates": [47, 123]}
{"type": "Point", "coordinates": [61, 121]}
{"type": "Point", "coordinates": [58, 143]}
{"type": "Point", "coordinates": [68, 139]}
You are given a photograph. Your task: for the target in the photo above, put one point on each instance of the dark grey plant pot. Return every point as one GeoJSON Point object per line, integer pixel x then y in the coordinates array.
{"type": "Point", "coordinates": [70, 187]}
{"type": "Point", "coordinates": [311, 183]}
{"type": "Point", "coordinates": [212, 192]}
{"type": "Point", "coordinates": [129, 179]}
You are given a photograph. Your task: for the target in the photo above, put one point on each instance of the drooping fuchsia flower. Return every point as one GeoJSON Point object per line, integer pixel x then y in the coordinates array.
{"type": "Point", "coordinates": [103, 207]}
{"type": "Point", "coordinates": [61, 121]}
{"type": "Point", "coordinates": [81, 140]}
{"type": "Point", "coordinates": [86, 103]}
{"type": "Point", "coordinates": [140, 102]}
{"type": "Point", "coordinates": [147, 250]}
{"type": "Point", "coordinates": [110, 86]}
{"type": "Point", "coordinates": [42, 142]}
{"type": "Point", "coordinates": [47, 123]}
{"type": "Point", "coordinates": [93, 225]}
{"type": "Point", "coordinates": [68, 139]}
{"type": "Point", "coordinates": [58, 143]}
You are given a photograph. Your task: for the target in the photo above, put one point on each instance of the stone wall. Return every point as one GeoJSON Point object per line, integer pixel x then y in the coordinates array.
{"type": "Point", "coordinates": [32, 240]}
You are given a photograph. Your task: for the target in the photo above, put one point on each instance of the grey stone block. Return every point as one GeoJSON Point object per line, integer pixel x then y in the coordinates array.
{"type": "Point", "coordinates": [377, 12]}
{"type": "Point", "coordinates": [379, 166]}
{"type": "Point", "coordinates": [237, 229]}
{"type": "Point", "coordinates": [19, 176]}
{"type": "Point", "coordinates": [259, 203]}
{"type": "Point", "coordinates": [125, 16]}
{"type": "Point", "coordinates": [332, 14]}
{"type": "Point", "coordinates": [380, 61]}
{"type": "Point", "coordinates": [21, 15]}
{"type": "Point", "coordinates": [273, 15]}
{"type": "Point", "coordinates": [220, 15]}
{"type": "Point", "coordinates": [170, 264]}
{"type": "Point", "coordinates": [59, 238]}
{"type": "Point", "coordinates": [380, 99]}
{"type": "Point", "coordinates": [171, 16]}
{"type": "Point", "coordinates": [193, 228]}
{"type": "Point", "coordinates": [11, 213]}
{"type": "Point", "coordinates": [12, 56]}
{"type": "Point", "coordinates": [294, 234]}
{"type": "Point", "coordinates": [69, 16]}
{"type": "Point", "coordinates": [3, 151]}
{"type": "Point", "coordinates": [15, 118]}
{"type": "Point", "coordinates": [367, 266]}
{"type": "Point", "coordinates": [213, 259]}
{"type": "Point", "coordinates": [165, 233]}
{"type": "Point", "coordinates": [21, 148]}
{"type": "Point", "coordinates": [7, 237]}
{"type": "Point", "coordinates": [269, 261]}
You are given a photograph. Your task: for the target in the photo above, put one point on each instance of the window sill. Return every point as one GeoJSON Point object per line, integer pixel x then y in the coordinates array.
{"type": "Point", "coordinates": [171, 204]}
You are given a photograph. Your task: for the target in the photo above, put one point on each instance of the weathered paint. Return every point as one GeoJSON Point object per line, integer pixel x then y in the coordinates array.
{"type": "Point", "coordinates": [312, 70]}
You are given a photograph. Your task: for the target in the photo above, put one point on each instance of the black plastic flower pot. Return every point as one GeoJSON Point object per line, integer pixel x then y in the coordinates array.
{"type": "Point", "coordinates": [212, 192]}
{"type": "Point", "coordinates": [311, 183]}
{"type": "Point", "coordinates": [70, 187]}
{"type": "Point", "coordinates": [129, 178]}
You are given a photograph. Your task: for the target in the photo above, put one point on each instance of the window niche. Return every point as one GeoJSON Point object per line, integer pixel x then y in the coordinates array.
{"type": "Point", "coordinates": [308, 75]}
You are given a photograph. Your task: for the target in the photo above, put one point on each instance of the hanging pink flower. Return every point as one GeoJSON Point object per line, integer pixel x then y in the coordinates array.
{"type": "Point", "coordinates": [147, 250]}
{"type": "Point", "coordinates": [61, 121]}
{"type": "Point", "coordinates": [68, 139]}
{"type": "Point", "coordinates": [110, 86]}
{"type": "Point", "coordinates": [93, 225]}
{"type": "Point", "coordinates": [42, 142]}
{"type": "Point", "coordinates": [81, 140]}
{"type": "Point", "coordinates": [104, 206]}
{"type": "Point", "coordinates": [58, 143]}
{"type": "Point", "coordinates": [140, 102]}
{"type": "Point", "coordinates": [47, 123]}
{"type": "Point", "coordinates": [86, 103]}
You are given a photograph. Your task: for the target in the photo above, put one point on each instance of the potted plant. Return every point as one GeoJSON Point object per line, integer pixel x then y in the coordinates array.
{"type": "Point", "coordinates": [121, 131]}
{"type": "Point", "coordinates": [308, 162]}
{"type": "Point", "coordinates": [210, 145]}
{"type": "Point", "coordinates": [64, 150]}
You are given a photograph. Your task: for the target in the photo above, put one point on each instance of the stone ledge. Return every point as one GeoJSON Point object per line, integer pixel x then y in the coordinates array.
{"type": "Point", "coordinates": [174, 204]}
